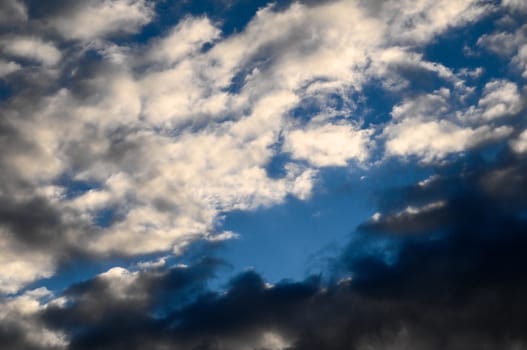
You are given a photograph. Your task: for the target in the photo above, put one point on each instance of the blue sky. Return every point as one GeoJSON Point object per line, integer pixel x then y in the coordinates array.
{"type": "Point", "coordinates": [223, 174]}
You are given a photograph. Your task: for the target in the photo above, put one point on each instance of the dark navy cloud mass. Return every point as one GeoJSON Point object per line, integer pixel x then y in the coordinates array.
{"type": "Point", "coordinates": [254, 175]}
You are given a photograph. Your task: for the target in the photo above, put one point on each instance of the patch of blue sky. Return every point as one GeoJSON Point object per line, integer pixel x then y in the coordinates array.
{"type": "Point", "coordinates": [280, 241]}
{"type": "Point", "coordinates": [105, 218]}
{"type": "Point", "coordinates": [377, 104]}
{"type": "Point", "coordinates": [333, 103]}
{"type": "Point", "coordinates": [458, 49]}
{"type": "Point", "coordinates": [6, 90]}
{"type": "Point", "coordinates": [75, 188]}
{"type": "Point", "coordinates": [276, 167]}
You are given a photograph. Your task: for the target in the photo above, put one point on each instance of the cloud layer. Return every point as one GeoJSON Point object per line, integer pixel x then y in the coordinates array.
{"type": "Point", "coordinates": [125, 134]}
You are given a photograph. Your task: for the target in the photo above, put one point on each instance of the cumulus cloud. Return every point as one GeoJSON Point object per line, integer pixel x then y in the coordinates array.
{"type": "Point", "coordinates": [138, 148]}
{"type": "Point", "coordinates": [519, 145]}
{"type": "Point", "coordinates": [328, 145]}
{"type": "Point", "coordinates": [500, 98]}
{"type": "Point", "coordinates": [31, 48]}
{"type": "Point", "coordinates": [426, 126]}
{"type": "Point", "coordinates": [99, 18]}
{"type": "Point", "coordinates": [431, 140]}
{"type": "Point", "coordinates": [418, 21]}
{"type": "Point", "coordinates": [22, 267]}
{"type": "Point", "coordinates": [511, 44]}
{"type": "Point", "coordinates": [186, 38]}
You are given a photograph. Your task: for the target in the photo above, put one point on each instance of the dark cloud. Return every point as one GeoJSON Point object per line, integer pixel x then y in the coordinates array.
{"type": "Point", "coordinates": [11, 11]}
{"type": "Point", "coordinates": [13, 337]}
{"type": "Point", "coordinates": [39, 9]}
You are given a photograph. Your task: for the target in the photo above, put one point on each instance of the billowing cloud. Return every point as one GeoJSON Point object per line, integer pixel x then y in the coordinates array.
{"type": "Point", "coordinates": [511, 44]}
{"type": "Point", "coordinates": [328, 145]}
{"type": "Point", "coordinates": [519, 145]}
{"type": "Point", "coordinates": [426, 126]}
{"type": "Point", "coordinates": [95, 19]}
{"type": "Point", "coordinates": [500, 98]}
{"type": "Point", "coordinates": [32, 49]}
{"type": "Point", "coordinates": [162, 137]}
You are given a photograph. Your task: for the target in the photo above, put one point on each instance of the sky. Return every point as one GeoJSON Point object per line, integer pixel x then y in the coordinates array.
{"type": "Point", "coordinates": [263, 175]}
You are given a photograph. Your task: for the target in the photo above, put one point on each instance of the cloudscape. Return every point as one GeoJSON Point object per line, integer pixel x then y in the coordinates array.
{"type": "Point", "coordinates": [263, 175]}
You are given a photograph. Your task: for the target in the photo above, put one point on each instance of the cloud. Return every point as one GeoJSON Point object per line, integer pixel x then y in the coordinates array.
{"type": "Point", "coordinates": [31, 48]}
{"type": "Point", "coordinates": [414, 22]}
{"type": "Point", "coordinates": [114, 148]}
{"type": "Point", "coordinates": [99, 18]}
{"type": "Point", "coordinates": [8, 67]}
{"type": "Point", "coordinates": [21, 267]}
{"type": "Point", "coordinates": [186, 38]}
{"type": "Point", "coordinates": [425, 126]}
{"type": "Point", "coordinates": [513, 45]}
{"type": "Point", "coordinates": [433, 140]}
{"type": "Point", "coordinates": [517, 5]}
{"type": "Point", "coordinates": [519, 145]}
{"type": "Point", "coordinates": [328, 145]}
{"type": "Point", "coordinates": [12, 11]}
{"type": "Point", "coordinates": [500, 98]}
{"type": "Point", "coordinates": [136, 148]}
{"type": "Point", "coordinates": [20, 327]}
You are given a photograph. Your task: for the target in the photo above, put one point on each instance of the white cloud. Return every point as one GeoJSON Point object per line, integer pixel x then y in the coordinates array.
{"type": "Point", "coordinates": [100, 18]}
{"type": "Point", "coordinates": [518, 5]}
{"type": "Point", "coordinates": [418, 21]}
{"type": "Point", "coordinates": [152, 264]}
{"type": "Point", "coordinates": [328, 145]}
{"type": "Point", "coordinates": [426, 127]}
{"type": "Point", "coordinates": [31, 48]}
{"type": "Point", "coordinates": [521, 59]}
{"type": "Point", "coordinates": [411, 210]}
{"type": "Point", "coordinates": [19, 266]}
{"type": "Point", "coordinates": [434, 140]}
{"type": "Point", "coordinates": [512, 45]}
{"type": "Point", "coordinates": [388, 60]}
{"type": "Point", "coordinates": [500, 98]}
{"type": "Point", "coordinates": [503, 43]}
{"type": "Point", "coordinates": [519, 145]}
{"type": "Point", "coordinates": [120, 283]}
{"type": "Point", "coordinates": [186, 38]}
{"type": "Point", "coordinates": [172, 145]}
